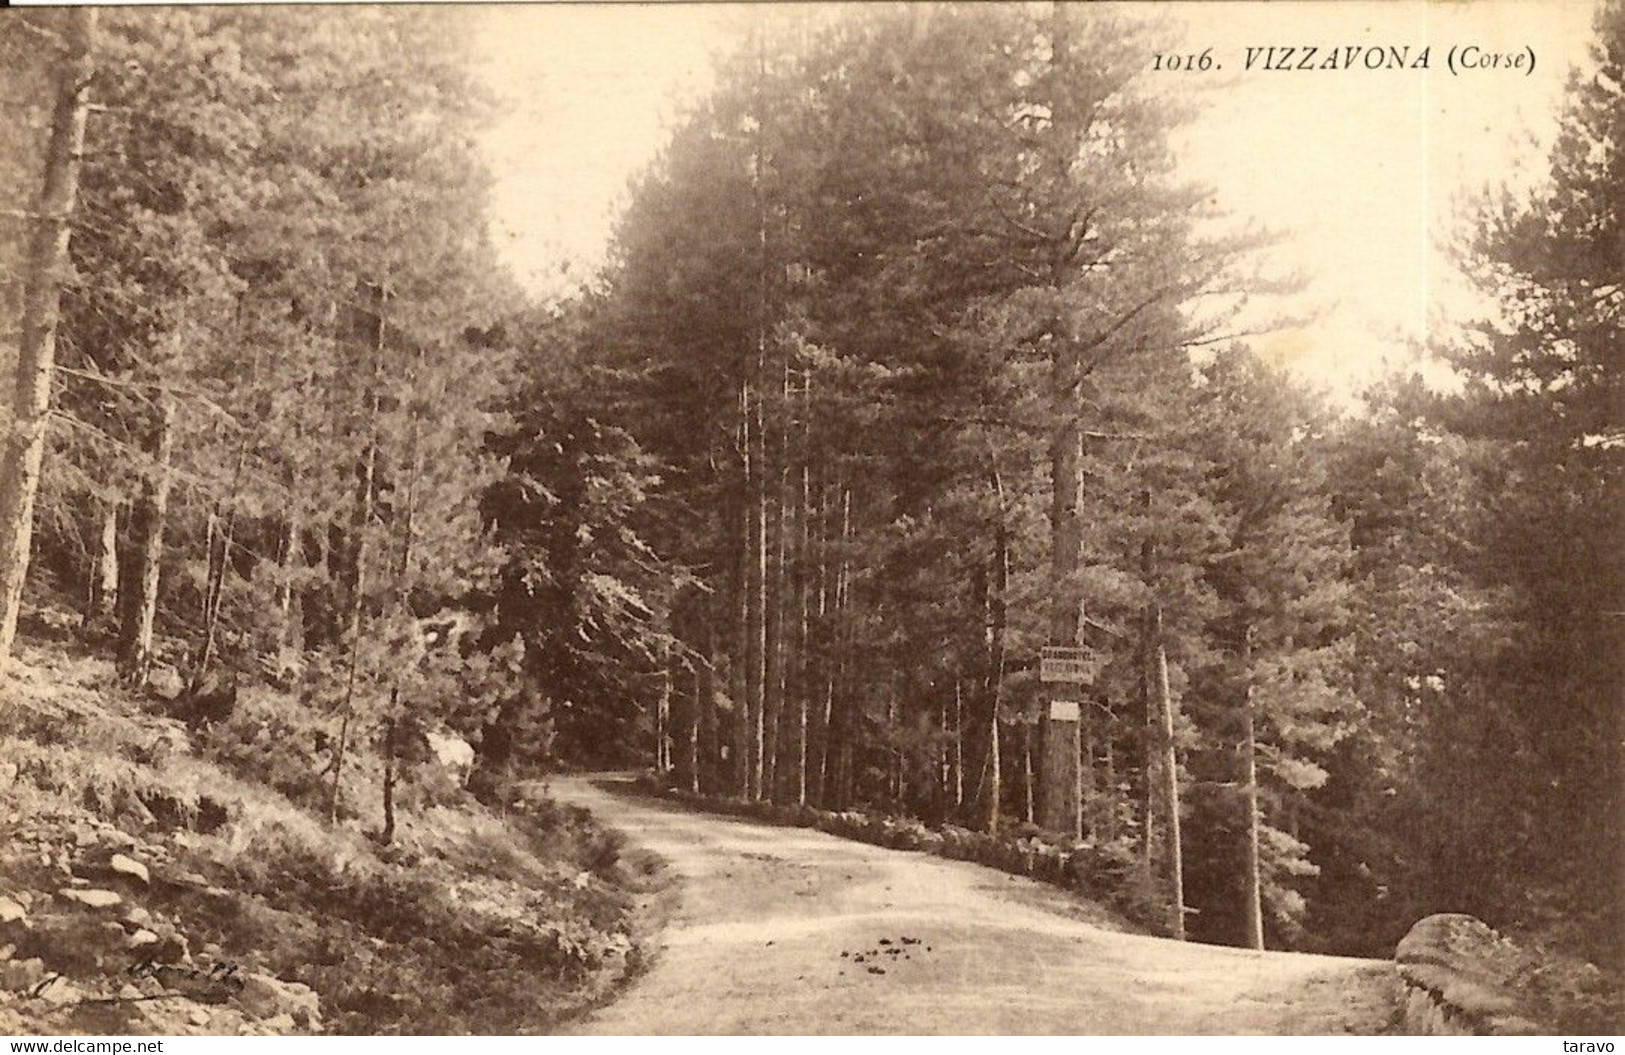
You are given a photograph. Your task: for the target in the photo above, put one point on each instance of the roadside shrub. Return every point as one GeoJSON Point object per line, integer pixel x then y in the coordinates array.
{"type": "Point", "coordinates": [1110, 874]}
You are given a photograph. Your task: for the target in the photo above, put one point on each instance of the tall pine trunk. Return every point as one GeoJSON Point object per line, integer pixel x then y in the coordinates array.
{"type": "Point", "coordinates": [140, 596]}
{"type": "Point", "coordinates": [997, 617]}
{"type": "Point", "coordinates": [1167, 767]}
{"type": "Point", "coordinates": [24, 449]}
{"type": "Point", "coordinates": [803, 591]}
{"type": "Point", "coordinates": [1253, 879]}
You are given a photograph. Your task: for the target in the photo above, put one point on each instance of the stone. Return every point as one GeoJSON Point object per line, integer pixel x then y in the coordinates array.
{"type": "Point", "coordinates": [141, 939]}
{"type": "Point", "coordinates": [129, 992]}
{"type": "Point", "coordinates": [138, 916]}
{"type": "Point", "coordinates": [129, 866]}
{"type": "Point", "coordinates": [171, 949]}
{"type": "Point", "coordinates": [166, 683]}
{"type": "Point", "coordinates": [60, 992]}
{"type": "Point", "coordinates": [282, 1023]}
{"type": "Point", "coordinates": [454, 754]}
{"type": "Point", "coordinates": [11, 911]}
{"type": "Point", "coordinates": [265, 997]}
{"type": "Point", "coordinates": [198, 1017]}
{"type": "Point", "coordinates": [1459, 977]}
{"type": "Point", "coordinates": [92, 898]}
{"type": "Point", "coordinates": [21, 975]}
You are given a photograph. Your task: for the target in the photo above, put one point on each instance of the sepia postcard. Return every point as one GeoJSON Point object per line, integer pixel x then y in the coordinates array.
{"type": "Point", "coordinates": [841, 519]}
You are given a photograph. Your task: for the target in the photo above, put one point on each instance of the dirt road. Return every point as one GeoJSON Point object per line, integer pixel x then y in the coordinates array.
{"type": "Point", "coordinates": [787, 930]}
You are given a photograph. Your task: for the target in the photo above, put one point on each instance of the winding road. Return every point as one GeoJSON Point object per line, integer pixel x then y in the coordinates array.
{"type": "Point", "coordinates": [791, 931]}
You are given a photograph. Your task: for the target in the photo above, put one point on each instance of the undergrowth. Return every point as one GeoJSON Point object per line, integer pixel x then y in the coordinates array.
{"type": "Point", "coordinates": [472, 919]}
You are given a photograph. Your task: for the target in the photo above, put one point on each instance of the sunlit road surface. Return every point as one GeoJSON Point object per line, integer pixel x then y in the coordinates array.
{"type": "Point", "coordinates": [931, 946]}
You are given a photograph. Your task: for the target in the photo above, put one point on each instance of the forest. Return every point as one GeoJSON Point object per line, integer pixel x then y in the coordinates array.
{"type": "Point", "coordinates": [903, 369]}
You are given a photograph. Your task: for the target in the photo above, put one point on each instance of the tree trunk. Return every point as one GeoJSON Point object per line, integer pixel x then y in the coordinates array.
{"type": "Point", "coordinates": [1168, 770]}
{"type": "Point", "coordinates": [1254, 907]}
{"type": "Point", "coordinates": [739, 655]}
{"type": "Point", "coordinates": [222, 529]}
{"type": "Point", "coordinates": [387, 834]}
{"type": "Point", "coordinates": [403, 592]}
{"type": "Point", "coordinates": [24, 449]}
{"type": "Point", "coordinates": [997, 617]}
{"type": "Point", "coordinates": [688, 768]}
{"type": "Point", "coordinates": [663, 736]}
{"type": "Point", "coordinates": [360, 525]}
{"type": "Point", "coordinates": [290, 597]}
{"type": "Point", "coordinates": [104, 572]}
{"type": "Point", "coordinates": [958, 762]}
{"type": "Point", "coordinates": [835, 709]}
{"type": "Point", "coordinates": [1060, 806]}
{"type": "Point", "coordinates": [803, 592]}
{"type": "Point", "coordinates": [1028, 812]}
{"type": "Point", "coordinates": [140, 601]}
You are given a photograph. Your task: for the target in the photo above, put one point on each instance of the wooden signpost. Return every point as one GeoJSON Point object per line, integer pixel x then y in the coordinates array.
{"type": "Point", "coordinates": [1063, 665]}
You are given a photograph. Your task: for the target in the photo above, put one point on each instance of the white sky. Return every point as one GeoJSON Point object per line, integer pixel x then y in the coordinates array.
{"type": "Point", "coordinates": [1361, 172]}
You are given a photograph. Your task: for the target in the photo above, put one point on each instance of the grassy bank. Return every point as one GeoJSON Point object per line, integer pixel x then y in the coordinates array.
{"type": "Point", "coordinates": [161, 879]}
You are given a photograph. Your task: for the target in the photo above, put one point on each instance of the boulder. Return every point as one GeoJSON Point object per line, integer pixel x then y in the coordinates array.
{"type": "Point", "coordinates": [19, 976]}
{"type": "Point", "coordinates": [454, 754]}
{"type": "Point", "coordinates": [11, 911]}
{"type": "Point", "coordinates": [129, 866]}
{"type": "Point", "coordinates": [91, 897]}
{"type": "Point", "coordinates": [1458, 977]}
{"type": "Point", "coordinates": [141, 939]}
{"type": "Point", "coordinates": [166, 683]}
{"type": "Point", "coordinates": [170, 949]}
{"type": "Point", "coordinates": [266, 997]}
{"type": "Point", "coordinates": [60, 992]}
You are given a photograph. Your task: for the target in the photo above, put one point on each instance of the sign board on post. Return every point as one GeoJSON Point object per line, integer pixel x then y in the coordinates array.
{"type": "Point", "coordinates": [1058, 663]}
{"type": "Point", "coordinates": [1064, 711]}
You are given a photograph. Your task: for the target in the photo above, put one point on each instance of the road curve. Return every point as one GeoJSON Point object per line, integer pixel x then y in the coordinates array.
{"type": "Point", "coordinates": [772, 922]}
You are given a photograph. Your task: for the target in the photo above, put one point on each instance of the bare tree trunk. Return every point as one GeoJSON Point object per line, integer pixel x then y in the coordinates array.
{"type": "Point", "coordinates": [1254, 907]}
{"type": "Point", "coordinates": [739, 655]}
{"type": "Point", "coordinates": [222, 529]}
{"type": "Point", "coordinates": [290, 606]}
{"type": "Point", "coordinates": [104, 572]}
{"type": "Point", "coordinates": [689, 769]}
{"type": "Point", "coordinates": [386, 835]}
{"type": "Point", "coordinates": [959, 745]}
{"type": "Point", "coordinates": [663, 735]}
{"type": "Point", "coordinates": [835, 710]}
{"type": "Point", "coordinates": [998, 615]}
{"type": "Point", "coordinates": [1168, 770]}
{"type": "Point", "coordinates": [803, 592]}
{"type": "Point", "coordinates": [141, 601]}
{"type": "Point", "coordinates": [1028, 812]}
{"type": "Point", "coordinates": [1148, 697]}
{"type": "Point", "coordinates": [24, 449]}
